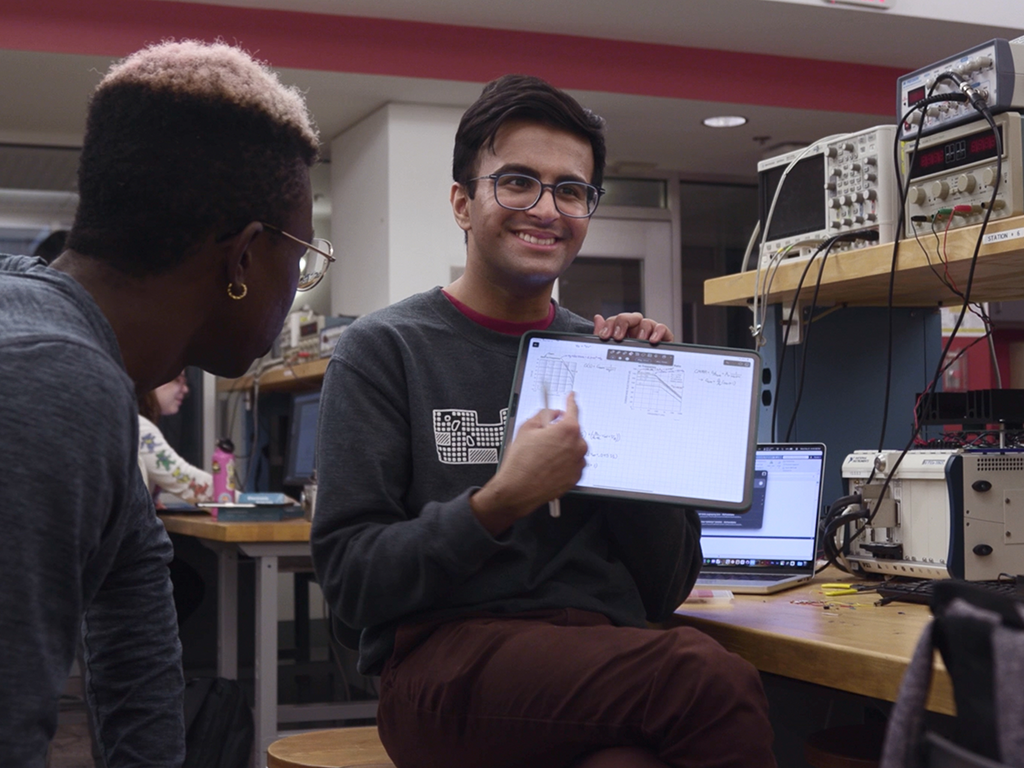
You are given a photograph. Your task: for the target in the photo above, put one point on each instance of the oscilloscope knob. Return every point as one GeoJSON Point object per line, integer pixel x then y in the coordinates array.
{"type": "Point", "coordinates": [871, 194]}
{"type": "Point", "coordinates": [966, 182]}
{"type": "Point", "coordinates": [834, 202]}
{"type": "Point", "coordinates": [917, 195]}
{"type": "Point", "coordinates": [940, 189]}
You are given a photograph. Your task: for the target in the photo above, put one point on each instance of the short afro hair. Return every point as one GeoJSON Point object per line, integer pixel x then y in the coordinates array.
{"type": "Point", "coordinates": [184, 139]}
{"type": "Point", "coordinates": [522, 97]}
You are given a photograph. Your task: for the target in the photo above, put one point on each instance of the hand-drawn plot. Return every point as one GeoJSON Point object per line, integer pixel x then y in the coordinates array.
{"type": "Point", "coordinates": [555, 375]}
{"type": "Point", "coordinates": [654, 390]}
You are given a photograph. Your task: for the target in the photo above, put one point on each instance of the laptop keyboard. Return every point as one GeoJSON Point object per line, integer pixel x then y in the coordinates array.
{"type": "Point", "coordinates": [740, 577]}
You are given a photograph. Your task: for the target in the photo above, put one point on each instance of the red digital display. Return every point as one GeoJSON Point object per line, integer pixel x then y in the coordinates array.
{"type": "Point", "coordinates": [981, 144]}
{"type": "Point", "coordinates": [915, 96]}
{"type": "Point", "coordinates": [930, 158]}
{"type": "Point", "coordinates": [955, 153]}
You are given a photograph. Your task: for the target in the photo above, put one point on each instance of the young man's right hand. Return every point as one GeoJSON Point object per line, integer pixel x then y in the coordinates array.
{"type": "Point", "coordinates": [545, 460]}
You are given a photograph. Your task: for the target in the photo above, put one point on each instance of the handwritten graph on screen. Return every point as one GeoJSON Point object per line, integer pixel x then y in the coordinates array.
{"type": "Point", "coordinates": [556, 374]}
{"type": "Point", "coordinates": [653, 390]}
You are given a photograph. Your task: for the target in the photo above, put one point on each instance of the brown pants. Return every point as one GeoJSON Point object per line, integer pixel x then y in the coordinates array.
{"type": "Point", "coordinates": [542, 690]}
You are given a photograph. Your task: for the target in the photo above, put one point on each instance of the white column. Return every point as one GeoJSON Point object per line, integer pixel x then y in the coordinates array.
{"type": "Point", "coordinates": [391, 222]}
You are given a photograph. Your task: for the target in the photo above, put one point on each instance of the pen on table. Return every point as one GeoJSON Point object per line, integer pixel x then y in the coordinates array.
{"type": "Point", "coordinates": [555, 505]}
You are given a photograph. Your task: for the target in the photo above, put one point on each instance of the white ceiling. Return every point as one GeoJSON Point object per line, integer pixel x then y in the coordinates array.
{"type": "Point", "coordinates": [813, 29]}
{"type": "Point", "coordinates": [44, 94]}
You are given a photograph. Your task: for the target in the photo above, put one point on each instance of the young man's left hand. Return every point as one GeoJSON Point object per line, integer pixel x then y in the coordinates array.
{"type": "Point", "coordinates": [631, 324]}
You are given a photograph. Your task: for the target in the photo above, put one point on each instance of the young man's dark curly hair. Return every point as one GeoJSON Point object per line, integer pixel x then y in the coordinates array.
{"type": "Point", "coordinates": [522, 97]}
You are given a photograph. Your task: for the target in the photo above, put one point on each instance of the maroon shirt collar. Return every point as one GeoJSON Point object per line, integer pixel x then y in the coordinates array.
{"type": "Point", "coordinates": [502, 326]}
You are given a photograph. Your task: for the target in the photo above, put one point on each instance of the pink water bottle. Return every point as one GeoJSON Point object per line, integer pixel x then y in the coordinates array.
{"type": "Point", "coordinates": [224, 471]}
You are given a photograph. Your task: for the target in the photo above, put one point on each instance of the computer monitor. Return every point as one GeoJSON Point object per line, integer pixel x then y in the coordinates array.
{"type": "Point", "coordinates": [300, 459]}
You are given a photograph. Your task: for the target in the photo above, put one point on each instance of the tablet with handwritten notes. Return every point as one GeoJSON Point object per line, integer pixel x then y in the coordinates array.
{"type": "Point", "coordinates": [665, 422]}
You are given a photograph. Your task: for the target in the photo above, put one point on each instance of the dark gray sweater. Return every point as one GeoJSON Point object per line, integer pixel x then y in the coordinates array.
{"type": "Point", "coordinates": [84, 553]}
{"type": "Point", "coordinates": [411, 417]}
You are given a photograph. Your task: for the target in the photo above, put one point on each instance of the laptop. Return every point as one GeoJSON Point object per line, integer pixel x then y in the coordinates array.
{"type": "Point", "coordinates": [772, 546]}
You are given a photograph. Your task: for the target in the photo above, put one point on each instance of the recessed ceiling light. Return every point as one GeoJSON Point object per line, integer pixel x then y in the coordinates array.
{"type": "Point", "coordinates": [724, 121]}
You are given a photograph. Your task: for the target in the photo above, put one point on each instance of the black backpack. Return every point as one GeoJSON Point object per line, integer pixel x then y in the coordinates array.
{"type": "Point", "coordinates": [219, 730]}
{"type": "Point", "coordinates": [980, 635]}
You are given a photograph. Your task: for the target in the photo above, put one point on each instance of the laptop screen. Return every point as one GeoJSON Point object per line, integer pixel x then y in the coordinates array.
{"type": "Point", "coordinates": [779, 531]}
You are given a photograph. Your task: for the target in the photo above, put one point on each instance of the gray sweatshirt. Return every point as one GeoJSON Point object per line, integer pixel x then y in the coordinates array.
{"type": "Point", "coordinates": [85, 556]}
{"type": "Point", "coordinates": [411, 418]}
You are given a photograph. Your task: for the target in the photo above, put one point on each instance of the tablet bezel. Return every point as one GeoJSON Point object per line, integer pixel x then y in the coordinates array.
{"type": "Point", "coordinates": [702, 503]}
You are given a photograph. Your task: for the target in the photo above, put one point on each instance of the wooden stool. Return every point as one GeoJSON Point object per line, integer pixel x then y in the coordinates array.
{"type": "Point", "coordinates": [336, 748]}
{"type": "Point", "coordinates": [846, 746]}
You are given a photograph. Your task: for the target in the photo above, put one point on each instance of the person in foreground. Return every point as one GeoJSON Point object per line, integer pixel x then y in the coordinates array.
{"type": "Point", "coordinates": [195, 162]}
{"type": "Point", "coordinates": [504, 636]}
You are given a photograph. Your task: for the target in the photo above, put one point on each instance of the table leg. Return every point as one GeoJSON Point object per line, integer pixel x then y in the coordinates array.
{"type": "Point", "coordinates": [265, 711]}
{"type": "Point", "coordinates": [227, 612]}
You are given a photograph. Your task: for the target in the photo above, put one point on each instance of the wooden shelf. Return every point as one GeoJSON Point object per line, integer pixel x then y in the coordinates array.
{"type": "Point", "coordinates": [281, 378]}
{"type": "Point", "coordinates": [861, 277]}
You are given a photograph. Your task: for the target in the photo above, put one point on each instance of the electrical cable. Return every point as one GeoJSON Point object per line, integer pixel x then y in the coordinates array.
{"type": "Point", "coordinates": [839, 521]}
{"type": "Point", "coordinates": [904, 189]}
{"type": "Point", "coordinates": [775, 263]}
{"type": "Point", "coordinates": [835, 510]}
{"type": "Point", "coordinates": [793, 314]}
{"type": "Point", "coordinates": [750, 246]}
{"type": "Point", "coordinates": [785, 340]}
{"type": "Point", "coordinates": [806, 342]}
{"type": "Point", "coordinates": [757, 329]}
{"type": "Point", "coordinates": [867, 235]}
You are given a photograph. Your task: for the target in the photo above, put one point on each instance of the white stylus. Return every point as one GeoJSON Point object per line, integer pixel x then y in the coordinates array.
{"type": "Point", "coordinates": [555, 505]}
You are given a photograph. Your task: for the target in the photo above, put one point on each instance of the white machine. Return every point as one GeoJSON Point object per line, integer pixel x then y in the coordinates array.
{"type": "Point", "coordinates": [953, 174]}
{"type": "Point", "coordinates": [946, 513]}
{"type": "Point", "coordinates": [995, 69]}
{"type": "Point", "coordinates": [838, 185]}
{"type": "Point", "coordinates": [299, 340]}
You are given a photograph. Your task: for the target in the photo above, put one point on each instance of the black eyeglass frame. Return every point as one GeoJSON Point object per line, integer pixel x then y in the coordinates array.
{"type": "Point", "coordinates": [553, 187]}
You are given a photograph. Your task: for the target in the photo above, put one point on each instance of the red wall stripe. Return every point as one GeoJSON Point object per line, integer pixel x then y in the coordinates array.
{"type": "Point", "coordinates": [448, 52]}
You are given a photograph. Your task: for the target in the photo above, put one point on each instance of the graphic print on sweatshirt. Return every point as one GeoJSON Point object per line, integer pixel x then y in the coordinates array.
{"type": "Point", "coordinates": [462, 439]}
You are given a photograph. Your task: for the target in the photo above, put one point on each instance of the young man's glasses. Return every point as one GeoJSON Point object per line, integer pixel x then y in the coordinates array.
{"type": "Point", "coordinates": [314, 263]}
{"type": "Point", "coordinates": [519, 192]}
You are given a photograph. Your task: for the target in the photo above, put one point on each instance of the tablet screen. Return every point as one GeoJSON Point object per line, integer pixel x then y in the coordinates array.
{"type": "Point", "coordinates": [666, 422]}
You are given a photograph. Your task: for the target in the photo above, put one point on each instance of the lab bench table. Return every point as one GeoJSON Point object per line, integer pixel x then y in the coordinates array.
{"type": "Point", "coordinates": [272, 546]}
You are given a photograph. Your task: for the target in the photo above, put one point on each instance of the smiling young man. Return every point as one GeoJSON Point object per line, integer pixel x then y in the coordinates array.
{"type": "Point", "coordinates": [504, 636]}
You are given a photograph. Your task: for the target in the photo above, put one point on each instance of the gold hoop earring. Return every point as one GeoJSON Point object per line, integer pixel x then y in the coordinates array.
{"type": "Point", "coordinates": [231, 293]}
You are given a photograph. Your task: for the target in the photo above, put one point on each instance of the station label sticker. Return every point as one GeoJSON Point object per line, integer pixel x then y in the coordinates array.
{"type": "Point", "coordinates": [998, 237]}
